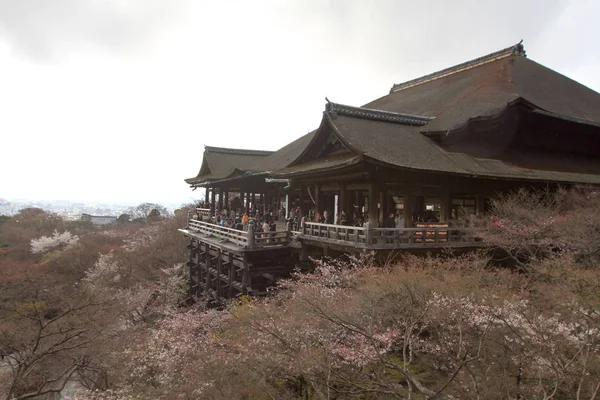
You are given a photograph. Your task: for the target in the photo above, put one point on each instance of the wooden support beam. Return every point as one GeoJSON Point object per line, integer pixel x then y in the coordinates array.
{"type": "Point", "coordinates": [231, 276]}
{"type": "Point", "coordinates": [245, 275]}
{"type": "Point", "coordinates": [208, 266]}
{"type": "Point", "coordinates": [219, 272]}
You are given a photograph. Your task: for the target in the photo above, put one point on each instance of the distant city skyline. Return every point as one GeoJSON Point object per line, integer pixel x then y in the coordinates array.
{"type": "Point", "coordinates": [113, 101]}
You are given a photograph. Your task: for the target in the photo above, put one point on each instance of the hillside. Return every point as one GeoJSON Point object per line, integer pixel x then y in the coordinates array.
{"type": "Point", "coordinates": [518, 319]}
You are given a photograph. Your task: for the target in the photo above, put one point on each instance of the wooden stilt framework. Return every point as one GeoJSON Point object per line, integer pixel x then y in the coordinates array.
{"type": "Point", "coordinates": [219, 272]}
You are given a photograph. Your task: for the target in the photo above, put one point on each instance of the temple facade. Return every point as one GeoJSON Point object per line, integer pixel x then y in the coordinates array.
{"type": "Point", "coordinates": [432, 150]}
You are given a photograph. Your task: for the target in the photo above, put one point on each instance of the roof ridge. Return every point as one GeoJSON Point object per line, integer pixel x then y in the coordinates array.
{"type": "Point", "coordinates": [517, 49]}
{"type": "Point", "coordinates": [378, 115]}
{"type": "Point", "coordinates": [241, 152]}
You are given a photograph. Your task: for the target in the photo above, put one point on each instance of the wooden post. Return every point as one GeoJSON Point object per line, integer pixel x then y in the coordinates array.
{"type": "Point", "coordinates": [206, 197]}
{"type": "Point", "coordinates": [243, 200]}
{"type": "Point", "coordinates": [245, 274]}
{"type": "Point", "coordinates": [480, 204]}
{"type": "Point", "coordinates": [301, 198]}
{"type": "Point", "coordinates": [318, 197]}
{"type": "Point", "coordinates": [342, 202]}
{"type": "Point", "coordinates": [212, 200]}
{"type": "Point", "coordinates": [368, 232]}
{"type": "Point", "coordinates": [250, 234]}
{"type": "Point", "coordinates": [382, 211]}
{"type": "Point", "coordinates": [231, 276]}
{"type": "Point", "coordinates": [372, 218]}
{"type": "Point", "coordinates": [226, 200]}
{"type": "Point", "coordinates": [219, 272]}
{"type": "Point", "coordinates": [261, 200]}
{"type": "Point", "coordinates": [446, 206]}
{"type": "Point", "coordinates": [254, 200]}
{"type": "Point", "coordinates": [208, 264]}
{"type": "Point", "coordinates": [409, 203]}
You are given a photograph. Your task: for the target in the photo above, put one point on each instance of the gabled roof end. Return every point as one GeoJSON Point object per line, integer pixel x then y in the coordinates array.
{"type": "Point", "coordinates": [517, 50]}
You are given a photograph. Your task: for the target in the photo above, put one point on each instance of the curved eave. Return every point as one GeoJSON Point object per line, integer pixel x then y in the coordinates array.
{"type": "Point", "coordinates": [567, 178]}
{"type": "Point", "coordinates": [230, 179]}
{"type": "Point", "coordinates": [318, 167]}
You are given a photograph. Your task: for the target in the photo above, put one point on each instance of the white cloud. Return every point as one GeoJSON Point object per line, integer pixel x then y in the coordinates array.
{"type": "Point", "coordinates": [114, 100]}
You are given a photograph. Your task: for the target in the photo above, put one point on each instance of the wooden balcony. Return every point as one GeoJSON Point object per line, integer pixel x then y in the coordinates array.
{"type": "Point", "coordinates": [240, 240]}
{"type": "Point", "coordinates": [347, 238]}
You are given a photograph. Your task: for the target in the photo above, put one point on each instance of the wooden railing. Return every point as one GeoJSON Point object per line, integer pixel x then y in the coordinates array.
{"type": "Point", "coordinates": [247, 239]}
{"type": "Point", "coordinates": [205, 212]}
{"type": "Point", "coordinates": [367, 237]}
{"type": "Point", "coordinates": [233, 235]}
{"type": "Point", "coordinates": [271, 238]}
{"type": "Point", "coordinates": [335, 232]}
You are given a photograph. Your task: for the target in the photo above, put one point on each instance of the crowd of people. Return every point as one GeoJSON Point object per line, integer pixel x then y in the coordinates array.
{"type": "Point", "coordinates": [263, 222]}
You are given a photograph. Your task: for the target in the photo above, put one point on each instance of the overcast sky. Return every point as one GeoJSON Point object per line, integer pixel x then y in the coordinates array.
{"type": "Point", "coordinates": [113, 100]}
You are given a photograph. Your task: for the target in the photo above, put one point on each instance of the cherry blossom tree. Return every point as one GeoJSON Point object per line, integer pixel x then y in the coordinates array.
{"type": "Point", "coordinates": [57, 240]}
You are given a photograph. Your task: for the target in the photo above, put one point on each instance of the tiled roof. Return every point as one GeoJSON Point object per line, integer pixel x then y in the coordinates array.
{"type": "Point", "coordinates": [517, 49]}
{"type": "Point", "coordinates": [393, 129]}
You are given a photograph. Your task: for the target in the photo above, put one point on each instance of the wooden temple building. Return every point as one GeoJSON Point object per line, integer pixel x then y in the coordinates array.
{"type": "Point", "coordinates": [433, 149]}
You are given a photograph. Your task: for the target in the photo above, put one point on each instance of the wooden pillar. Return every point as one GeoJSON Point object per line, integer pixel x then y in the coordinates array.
{"type": "Point", "coordinates": [342, 200]}
{"type": "Point", "coordinates": [373, 191]}
{"type": "Point", "coordinates": [266, 203]}
{"type": "Point", "coordinates": [409, 205]}
{"type": "Point", "coordinates": [206, 197]}
{"type": "Point", "coordinates": [208, 263]}
{"type": "Point", "coordinates": [317, 201]}
{"type": "Point", "coordinates": [219, 272]}
{"type": "Point", "coordinates": [357, 201]}
{"type": "Point", "coordinates": [253, 200]}
{"type": "Point", "coordinates": [226, 200]}
{"type": "Point", "coordinates": [301, 199]}
{"type": "Point", "coordinates": [446, 205]}
{"type": "Point", "coordinates": [279, 191]}
{"type": "Point", "coordinates": [212, 199]}
{"type": "Point", "coordinates": [245, 274]}
{"type": "Point", "coordinates": [262, 201]}
{"type": "Point", "coordinates": [243, 200]}
{"type": "Point", "coordinates": [230, 277]}
{"type": "Point", "coordinates": [480, 204]}
{"type": "Point", "coordinates": [382, 213]}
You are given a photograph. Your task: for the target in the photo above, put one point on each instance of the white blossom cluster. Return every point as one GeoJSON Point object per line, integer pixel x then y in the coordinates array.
{"type": "Point", "coordinates": [46, 243]}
